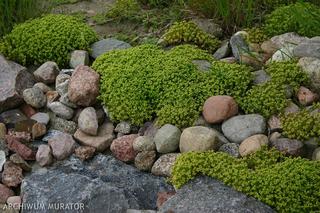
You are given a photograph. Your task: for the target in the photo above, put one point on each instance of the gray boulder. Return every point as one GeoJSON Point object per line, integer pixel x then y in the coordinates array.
{"type": "Point", "coordinates": [102, 184]}
{"type": "Point", "coordinates": [34, 97]}
{"type": "Point", "coordinates": [208, 195]}
{"type": "Point", "coordinates": [167, 138]}
{"type": "Point", "coordinates": [47, 72]}
{"type": "Point", "coordinates": [106, 45]}
{"type": "Point", "coordinates": [308, 48]}
{"type": "Point", "coordinates": [239, 45]}
{"type": "Point", "coordinates": [240, 127]}
{"type": "Point", "coordinates": [14, 79]}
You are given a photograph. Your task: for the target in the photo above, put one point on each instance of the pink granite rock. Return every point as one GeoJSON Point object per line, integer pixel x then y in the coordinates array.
{"type": "Point", "coordinates": [14, 145]}
{"type": "Point", "coordinates": [44, 155]}
{"type": "Point", "coordinates": [122, 148]}
{"type": "Point", "coordinates": [62, 145]}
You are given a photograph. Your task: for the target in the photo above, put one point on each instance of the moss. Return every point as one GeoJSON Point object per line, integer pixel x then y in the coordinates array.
{"type": "Point", "coordinates": [189, 32]}
{"type": "Point", "coordinates": [288, 185]}
{"type": "Point", "coordinates": [140, 83]}
{"type": "Point", "coordinates": [256, 35]}
{"type": "Point", "coordinates": [50, 38]}
{"type": "Point", "coordinates": [302, 18]}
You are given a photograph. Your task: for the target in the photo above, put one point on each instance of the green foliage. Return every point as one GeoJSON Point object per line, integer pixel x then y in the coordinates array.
{"type": "Point", "coordinates": [159, 3]}
{"type": "Point", "coordinates": [50, 38]}
{"type": "Point", "coordinates": [288, 185]}
{"type": "Point", "coordinates": [256, 35]}
{"type": "Point", "coordinates": [302, 125]}
{"type": "Point", "coordinates": [303, 18]}
{"type": "Point", "coordinates": [145, 81]}
{"type": "Point", "coordinates": [189, 32]}
{"type": "Point", "coordinates": [16, 11]}
{"type": "Point", "coordinates": [270, 98]}
{"type": "Point", "coordinates": [124, 9]}
{"type": "Point", "coordinates": [59, 2]}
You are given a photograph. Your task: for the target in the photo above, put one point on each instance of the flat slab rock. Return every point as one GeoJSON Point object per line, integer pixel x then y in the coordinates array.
{"type": "Point", "coordinates": [102, 184]}
{"type": "Point", "coordinates": [207, 195]}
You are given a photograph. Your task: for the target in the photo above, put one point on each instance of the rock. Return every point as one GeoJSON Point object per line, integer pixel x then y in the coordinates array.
{"type": "Point", "coordinates": [84, 86]}
{"type": "Point", "coordinates": [143, 143]}
{"type": "Point", "coordinates": [63, 125]}
{"type": "Point", "coordinates": [311, 145]}
{"type": "Point", "coordinates": [67, 71]}
{"type": "Point", "coordinates": [219, 108]}
{"type": "Point", "coordinates": [274, 123]}
{"type": "Point", "coordinates": [202, 65]}
{"type": "Point", "coordinates": [122, 148]}
{"type": "Point", "coordinates": [144, 160]}
{"type": "Point", "coordinates": [84, 152]}
{"type": "Point", "coordinates": [38, 130]}
{"type": "Point", "coordinates": [44, 88]}
{"type": "Point", "coordinates": [44, 155]}
{"type": "Point", "coordinates": [34, 97]}
{"type": "Point", "coordinates": [62, 88]}
{"type": "Point", "coordinates": [12, 117]}
{"type": "Point", "coordinates": [3, 147]}
{"type": "Point", "coordinates": [163, 197]}
{"type": "Point", "coordinates": [208, 26]}
{"type": "Point", "coordinates": [61, 110]}
{"type": "Point", "coordinates": [24, 137]}
{"type": "Point", "coordinates": [198, 138]}
{"type": "Point", "coordinates": [5, 193]}
{"type": "Point", "coordinates": [19, 161]}
{"type": "Point", "coordinates": [239, 45]}
{"type": "Point", "coordinates": [65, 100]}
{"type": "Point", "coordinates": [103, 139]}
{"type": "Point", "coordinates": [274, 136]}
{"type": "Point", "coordinates": [252, 59]}
{"type": "Point", "coordinates": [79, 57]}
{"type": "Point", "coordinates": [167, 138]}
{"type": "Point", "coordinates": [289, 147]}
{"type": "Point", "coordinates": [260, 77]}
{"type": "Point", "coordinates": [163, 166]}
{"type": "Point", "coordinates": [27, 110]}
{"type": "Point", "coordinates": [149, 129]}
{"type": "Point", "coordinates": [47, 72]}
{"type": "Point", "coordinates": [107, 45]}
{"type": "Point", "coordinates": [51, 133]}
{"type": "Point", "coordinates": [306, 97]}
{"type": "Point", "coordinates": [61, 78]}
{"type": "Point", "coordinates": [308, 48]}
{"type": "Point", "coordinates": [223, 51]}
{"type": "Point", "coordinates": [14, 145]}
{"type": "Point", "coordinates": [88, 122]}
{"type": "Point", "coordinates": [103, 184]}
{"type": "Point", "coordinates": [140, 211]}
{"type": "Point", "coordinates": [230, 148]}
{"type": "Point", "coordinates": [229, 60]}
{"type": "Point", "coordinates": [62, 146]}
{"type": "Point", "coordinates": [269, 47]}
{"type": "Point", "coordinates": [208, 195]}
{"type": "Point", "coordinates": [311, 66]}
{"type": "Point", "coordinates": [2, 159]}
{"type": "Point", "coordinates": [14, 79]}
{"type": "Point", "coordinates": [3, 130]}
{"type": "Point", "coordinates": [24, 126]}
{"type": "Point", "coordinates": [41, 117]}
{"type": "Point", "coordinates": [283, 54]}
{"type": "Point", "coordinates": [286, 39]}
{"type": "Point", "coordinates": [252, 144]}
{"type": "Point", "coordinates": [52, 96]}
{"type": "Point", "coordinates": [240, 127]}
{"type": "Point", "coordinates": [291, 108]}
{"type": "Point", "coordinates": [11, 175]}
{"type": "Point", "coordinates": [316, 154]}
{"type": "Point", "coordinates": [100, 115]}
{"type": "Point", "coordinates": [14, 201]}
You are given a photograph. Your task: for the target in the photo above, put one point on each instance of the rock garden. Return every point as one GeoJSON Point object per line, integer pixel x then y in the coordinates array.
{"type": "Point", "coordinates": [160, 106]}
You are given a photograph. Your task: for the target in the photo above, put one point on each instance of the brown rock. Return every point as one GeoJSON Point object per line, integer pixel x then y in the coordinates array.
{"type": "Point", "coordinates": [27, 110]}
{"type": "Point", "coordinates": [3, 130]}
{"type": "Point", "coordinates": [38, 130]}
{"type": "Point", "coordinates": [11, 175]}
{"type": "Point", "coordinates": [19, 161]}
{"type": "Point", "coordinates": [253, 59]}
{"type": "Point", "coordinates": [14, 145]}
{"type": "Point", "coordinates": [52, 96]}
{"type": "Point", "coordinates": [102, 141]}
{"type": "Point", "coordinates": [219, 108]}
{"type": "Point", "coordinates": [274, 136]}
{"type": "Point", "coordinates": [84, 86]}
{"type": "Point", "coordinates": [252, 144]}
{"type": "Point", "coordinates": [229, 60]}
{"type": "Point", "coordinates": [24, 126]}
{"type": "Point", "coordinates": [269, 47]}
{"type": "Point", "coordinates": [122, 148]}
{"type": "Point", "coordinates": [47, 72]}
{"type": "Point", "coordinates": [5, 193]}
{"type": "Point", "coordinates": [163, 166]}
{"type": "Point", "coordinates": [163, 197]}
{"type": "Point", "coordinates": [44, 155]}
{"type": "Point", "coordinates": [14, 79]}
{"type": "Point", "coordinates": [144, 160]}
{"type": "Point", "coordinates": [84, 152]}
{"type": "Point", "coordinates": [289, 147]}
{"type": "Point", "coordinates": [306, 96]}
{"type": "Point", "coordinates": [62, 145]}
{"type": "Point", "coordinates": [274, 123]}
{"type": "Point", "coordinates": [14, 201]}
{"type": "Point", "coordinates": [20, 136]}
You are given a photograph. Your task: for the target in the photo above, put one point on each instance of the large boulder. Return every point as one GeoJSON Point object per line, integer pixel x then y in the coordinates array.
{"type": "Point", "coordinates": [308, 48]}
{"type": "Point", "coordinates": [102, 184]}
{"type": "Point", "coordinates": [83, 88]}
{"type": "Point", "coordinates": [208, 195]}
{"type": "Point", "coordinates": [107, 45]}
{"type": "Point", "coordinates": [311, 66]}
{"type": "Point", "coordinates": [14, 79]}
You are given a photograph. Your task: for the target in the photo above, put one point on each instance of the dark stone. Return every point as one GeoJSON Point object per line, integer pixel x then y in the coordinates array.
{"type": "Point", "coordinates": [289, 147]}
{"type": "Point", "coordinates": [208, 195]}
{"type": "Point", "coordinates": [103, 184]}
{"type": "Point", "coordinates": [238, 45]}
{"type": "Point", "coordinates": [12, 117]}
